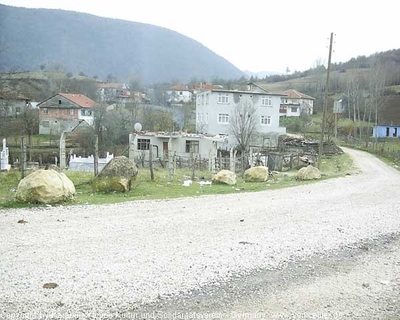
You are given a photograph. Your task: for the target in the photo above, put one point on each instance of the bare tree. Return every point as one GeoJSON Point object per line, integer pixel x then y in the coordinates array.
{"type": "Point", "coordinates": [244, 124]}
{"type": "Point", "coordinates": [376, 90]}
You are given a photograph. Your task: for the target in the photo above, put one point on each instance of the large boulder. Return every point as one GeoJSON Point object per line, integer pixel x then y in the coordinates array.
{"type": "Point", "coordinates": [256, 174]}
{"type": "Point", "coordinates": [117, 175]}
{"type": "Point", "coordinates": [225, 177]}
{"type": "Point", "coordinates": [308, 173]}
{"type": "Point", "coordinates": [45, 186]}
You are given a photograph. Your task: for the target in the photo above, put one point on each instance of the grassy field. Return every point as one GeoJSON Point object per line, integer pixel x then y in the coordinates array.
{"type": "Point", "coordinates": [160, 188]}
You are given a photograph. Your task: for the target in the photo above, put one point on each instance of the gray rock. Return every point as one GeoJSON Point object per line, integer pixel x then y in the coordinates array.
{"type": "Point", "coordinates": [117, 175]}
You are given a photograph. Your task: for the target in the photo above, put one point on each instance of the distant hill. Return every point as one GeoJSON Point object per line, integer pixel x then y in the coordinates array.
{"type": "Point", "coordinates": [33, 39]}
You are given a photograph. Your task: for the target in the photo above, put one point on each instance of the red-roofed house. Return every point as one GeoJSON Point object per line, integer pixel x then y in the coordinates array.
{"type": "Point", "coordinates": [295, 103]}
{"type": "Point", "coordinates": [64, 111]}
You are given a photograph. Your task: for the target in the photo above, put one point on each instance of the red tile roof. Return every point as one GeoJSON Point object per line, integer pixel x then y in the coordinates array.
{"type": "Point", "coordinates": [294, 94]}
{"type": "Point", "coordinates": [179, 87]}
{"type": "Point", "coordinates": [204, 86]}
{"type": "Point", "coordinates": [79, 99]}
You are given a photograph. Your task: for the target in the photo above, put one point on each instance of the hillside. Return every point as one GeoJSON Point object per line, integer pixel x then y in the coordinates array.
{"type": "Point", "coordinates": [33, 39]}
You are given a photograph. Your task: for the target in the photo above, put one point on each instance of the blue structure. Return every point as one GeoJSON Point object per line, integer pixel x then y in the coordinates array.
{"type": "Point", "coordinates": [383, 131]}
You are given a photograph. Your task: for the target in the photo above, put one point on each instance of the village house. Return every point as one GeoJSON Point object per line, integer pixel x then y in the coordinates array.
{"type": "Point", "coordinates": [12, 104]}
{"type": "Point", "coordinates": [64, 111]}
{"type": "Point", "coordinates": [296, 103]}
{"type": "Point", "coordinates": [216, 107]}
{"type": "Point", "coordinates": [179, 94]}
{"type": "Point", "coordinates": [196, 88]}
{"type": "Point", "coordinates": [180, 143]}
{"type": "Point", "coordinates": [111, 91]}
{"type": "Point", "coordinates": [388, 118]}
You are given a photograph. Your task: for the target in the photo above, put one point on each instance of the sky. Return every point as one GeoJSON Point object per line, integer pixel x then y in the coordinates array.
{"type": "Point", "coordinates": [260, 35]}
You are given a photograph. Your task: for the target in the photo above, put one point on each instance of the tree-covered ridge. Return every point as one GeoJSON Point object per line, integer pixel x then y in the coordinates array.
{"type": "Point", "coordinates": [32, 39]}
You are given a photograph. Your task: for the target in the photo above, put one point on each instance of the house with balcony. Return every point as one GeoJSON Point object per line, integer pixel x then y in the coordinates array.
{"type": "Point", "coordinates": [216, 108]}
{"type": "Point", "coordinates": [295, 103]}
{"type": "Point", "coordinates": [65, 111]}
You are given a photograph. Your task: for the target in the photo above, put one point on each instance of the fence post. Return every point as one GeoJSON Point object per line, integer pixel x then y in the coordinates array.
{"type": "Point", "coordinates": [96, 155]}
{"type": "Point", "coordinates": [151, 162]}
{"type": "Point", "coordinates": [23, 157]}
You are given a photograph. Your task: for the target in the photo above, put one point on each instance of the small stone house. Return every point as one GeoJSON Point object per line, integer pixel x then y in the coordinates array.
{"type": "Point", "coordinates": [64, 111]}
{"type": "Point", "coordinates": [12, 104]}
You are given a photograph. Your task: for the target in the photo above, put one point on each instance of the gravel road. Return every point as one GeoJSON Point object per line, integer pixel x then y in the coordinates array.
{"type": "Point", "coordinates": [317, 245]}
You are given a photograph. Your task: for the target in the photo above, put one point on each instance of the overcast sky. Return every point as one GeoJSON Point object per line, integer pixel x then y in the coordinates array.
{"type": "Point", "coordinates": [260, 35]}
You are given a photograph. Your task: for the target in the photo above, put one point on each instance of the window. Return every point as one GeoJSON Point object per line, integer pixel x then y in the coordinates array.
{"type": "Point", "coordinates": [266, 101]}
{"type": "Point", "coordinates": [71, 112]}
{"type": "Point", "coordinates": [45, 111]}
{"type": "Point", "coordinates": [59, 101]}
{"type": "Point", "coordinates": [266, 120]}
{"type": "Point", "coordinates": [295, 101]}
{"type": "Point", "coordinates": [45, 124]}
{"type": "Point", "coordinates": [223, 118]}
{"type": "Point", "coordinates": [293, 109]}
{"type": "Point", "coordinates": [223, 98]}
{"type": "Point", "coordinates": [207, 99]}
{"type": "Point", "coordinates": [86, 112]}
{"type": "Point", "coordinates": [143, 144]}
{"type": "Point", "coordinates": [202, 118]}
{"type": "Point", "coordinates": [192, 146]}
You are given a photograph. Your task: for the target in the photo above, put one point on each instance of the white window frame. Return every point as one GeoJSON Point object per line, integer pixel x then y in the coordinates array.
{"type": "Point", "coordinates": [266, 101]}
{"type": "Point", "coordinates": [45, 110]}
{"type": "Point", "coordinates": [223, 98]}
{"type": "Point", "coordinates": [294, 111]}
{"type": "Point", "coordinates": [265, 120]}
{"type": "Point", "coordinates": [71, 112]}
{"type": "Point", "coordinates": [223, 118]}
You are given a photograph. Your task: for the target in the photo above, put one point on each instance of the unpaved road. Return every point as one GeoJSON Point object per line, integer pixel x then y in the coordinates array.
{"type": "Point", "coordinates": [328, 250]}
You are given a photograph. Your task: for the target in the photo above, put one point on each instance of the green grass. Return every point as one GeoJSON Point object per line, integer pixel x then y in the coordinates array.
{"type": "Point", "coordinates": [143, 188]}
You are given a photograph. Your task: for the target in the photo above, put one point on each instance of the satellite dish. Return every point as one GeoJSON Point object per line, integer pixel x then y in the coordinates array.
{"type": "Point", "coordinates": [137, 126]}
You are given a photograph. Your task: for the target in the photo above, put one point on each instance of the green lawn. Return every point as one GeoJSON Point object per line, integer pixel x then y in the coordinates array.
{"type": "Point", "coordinates": [161, 188]}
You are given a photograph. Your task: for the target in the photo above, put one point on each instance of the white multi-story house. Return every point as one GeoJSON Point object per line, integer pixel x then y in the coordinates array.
{"type": "Point", "coordinates": [215, 109]}
{"type": "Point", "coordinates": [295, 103]}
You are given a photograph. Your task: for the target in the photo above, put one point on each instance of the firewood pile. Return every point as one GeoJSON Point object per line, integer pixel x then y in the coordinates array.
{"type": "Point", "coordinates": [309, 146]}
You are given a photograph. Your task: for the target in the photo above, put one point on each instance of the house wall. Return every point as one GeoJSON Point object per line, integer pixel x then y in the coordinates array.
{"type": "Point", "coordinates": [178, 146]}
{"type": "Point", "coordinates": [55, 126]}
{"type": "Point", "coordinates": [208, 110]}
{"type": "Point", "coordinates": [386, 132]}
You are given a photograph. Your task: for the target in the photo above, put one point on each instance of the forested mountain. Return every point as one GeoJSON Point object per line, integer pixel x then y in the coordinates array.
{"type": "Point", "coordinates": [33, 39]}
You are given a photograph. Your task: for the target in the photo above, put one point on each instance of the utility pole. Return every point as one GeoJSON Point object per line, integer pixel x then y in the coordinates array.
{"type": "Point", "coordinates": [325, 107]}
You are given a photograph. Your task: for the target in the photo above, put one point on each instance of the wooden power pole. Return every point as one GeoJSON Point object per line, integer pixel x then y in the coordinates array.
{"type": "Point", "coordinates": [325, 106]}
